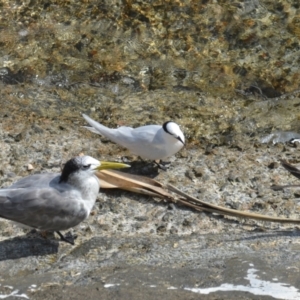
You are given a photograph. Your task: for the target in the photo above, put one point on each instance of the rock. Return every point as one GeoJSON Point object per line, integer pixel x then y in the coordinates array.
{"type": "Point", "coordinates": [30, 167]}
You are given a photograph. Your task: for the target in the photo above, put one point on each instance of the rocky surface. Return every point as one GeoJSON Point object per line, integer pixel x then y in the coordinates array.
{"type": "Point", "coordinates": [218, 69]}
{"type": "Point", "coordinates": [133, 245]}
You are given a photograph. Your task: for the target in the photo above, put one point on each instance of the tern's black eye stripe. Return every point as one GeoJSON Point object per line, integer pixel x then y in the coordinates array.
{"type": "Point", "coordinates": [165, 127]}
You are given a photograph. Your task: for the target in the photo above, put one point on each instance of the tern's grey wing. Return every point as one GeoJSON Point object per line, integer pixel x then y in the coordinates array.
{"type": "Point", "coordinates": [147, 142]}
{"type": "Point", "coordinates": [110, 133]}
{"type": "Point", "coordinates": [36, 180]}
{"type": "Point", "coordinates": [126, 135]}
{"type": "Point", "coordinates": [45, 209]}
{"type": "Point", "coordinates": [138, 138]}
{"type": "Point", "coordinates": [122, 135]}
{"type": "Point", "coordinates": [148, 134]}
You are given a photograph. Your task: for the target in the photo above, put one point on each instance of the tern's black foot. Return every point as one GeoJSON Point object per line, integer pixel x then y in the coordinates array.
{"type": "Point", "coordinates": [163, 165]}
{"type": "Point", "coordinates": [68, 238]}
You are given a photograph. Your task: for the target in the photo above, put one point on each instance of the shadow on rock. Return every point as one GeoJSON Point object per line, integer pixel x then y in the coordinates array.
{"type": "Point", "coordinates": [263, 234]}
{"type": "Point", "coordinates": [19, 247]}
{"type": "Point", "coordinates": [144, 168]}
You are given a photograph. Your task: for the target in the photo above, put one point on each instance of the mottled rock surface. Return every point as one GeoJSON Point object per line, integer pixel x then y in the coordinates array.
{"type": "Point", "coordinates": [227, 72]}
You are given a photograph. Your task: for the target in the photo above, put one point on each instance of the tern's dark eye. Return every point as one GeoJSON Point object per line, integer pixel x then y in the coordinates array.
{"type": "Point", "coordinates": [85, 167]}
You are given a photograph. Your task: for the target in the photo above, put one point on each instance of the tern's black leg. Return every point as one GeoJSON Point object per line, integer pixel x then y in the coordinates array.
{"type": "Point", "coordinates": [162, 164]}
{"type": "Point", "coordinates": [69, 238]}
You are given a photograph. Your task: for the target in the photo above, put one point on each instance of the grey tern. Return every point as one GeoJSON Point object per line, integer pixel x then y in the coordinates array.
{"type": "Point", "coordinates": [53, 201]}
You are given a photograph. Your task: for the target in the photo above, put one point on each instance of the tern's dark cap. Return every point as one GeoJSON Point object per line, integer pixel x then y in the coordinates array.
{"type": "Point", "coordinates": [70, 167]}
{"type": "Point", "coordinates": [165, 126]}
{"type": "Point", "coordinates": [173, 129]}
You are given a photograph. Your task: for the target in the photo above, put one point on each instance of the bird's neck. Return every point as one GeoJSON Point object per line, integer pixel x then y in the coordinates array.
{"type": "Point", "coordinates": [88, 187]}
{"type": "Point", "coordinates": [169, 138]}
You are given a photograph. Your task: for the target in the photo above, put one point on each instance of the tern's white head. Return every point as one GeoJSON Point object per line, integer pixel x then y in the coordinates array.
{"type": "Point", "coordinates": [174, 130]}
{"type": "Point", "coordinates": [85, 166]}
{"type": "Point", "coordinates": [80, 164]}
{"type": "Point", "coordinates": [79, 173]}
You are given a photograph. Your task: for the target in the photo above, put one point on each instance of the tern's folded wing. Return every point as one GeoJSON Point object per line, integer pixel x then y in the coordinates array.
{"type": "Point", "coordinates": [149, 135]}
{"type": "Point", "coordinates": [45, 209]}
{"type": "Point", "coordinates": [121, 135]}
{"type": "Point", "coordinates": [36, 180]}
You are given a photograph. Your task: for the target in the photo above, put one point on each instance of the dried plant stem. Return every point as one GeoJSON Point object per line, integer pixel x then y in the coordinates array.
{"type": "Point", "coordinates": [151, 187]}
{"type": "Point", "coordinates": [204, 206]}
